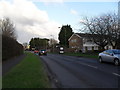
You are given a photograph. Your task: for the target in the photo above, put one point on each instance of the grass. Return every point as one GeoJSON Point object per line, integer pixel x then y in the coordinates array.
{"type": "Point", "coordinates": [27, 74]}
{"type": "Point", "coordinates": [88, 55]}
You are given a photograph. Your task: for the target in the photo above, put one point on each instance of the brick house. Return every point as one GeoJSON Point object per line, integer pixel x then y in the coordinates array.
{"type": "Point", "coordinates": [83, 42]}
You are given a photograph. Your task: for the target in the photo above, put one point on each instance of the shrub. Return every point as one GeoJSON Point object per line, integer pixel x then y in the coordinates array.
{"type": "Point", "coordinates": [10, 48]}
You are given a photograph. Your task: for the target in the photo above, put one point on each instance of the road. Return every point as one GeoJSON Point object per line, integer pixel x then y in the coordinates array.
{"type": "Point", "coordinates": [79, 72]}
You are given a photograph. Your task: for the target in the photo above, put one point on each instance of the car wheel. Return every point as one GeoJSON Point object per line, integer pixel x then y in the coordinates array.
{"type": "Point", "coordinates": [100, 60]}
{"type": "Point", "coordinates": [116, 62]}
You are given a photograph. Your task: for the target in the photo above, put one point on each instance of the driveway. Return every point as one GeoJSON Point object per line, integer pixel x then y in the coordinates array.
{"type": "Point", "coordinates": [79, 72]}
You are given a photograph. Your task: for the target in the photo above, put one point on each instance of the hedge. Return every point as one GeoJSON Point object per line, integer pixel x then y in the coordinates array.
{"type": "Point", "coordinates": [10, 48]}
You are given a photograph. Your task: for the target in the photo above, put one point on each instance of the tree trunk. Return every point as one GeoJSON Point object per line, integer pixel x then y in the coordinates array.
{"type": "Point", "coordinates": [113, 47]}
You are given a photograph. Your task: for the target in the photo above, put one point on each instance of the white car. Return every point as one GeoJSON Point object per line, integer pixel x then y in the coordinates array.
{"type": "Point", "coordinates": [112, 55]}
{"type": "Point", "coordinates": [61, 50]}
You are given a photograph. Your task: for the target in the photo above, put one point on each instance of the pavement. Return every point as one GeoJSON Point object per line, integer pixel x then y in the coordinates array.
{"type": "Point", "coordinates": [79, 72]}
{"type": "Point", "coordinates": [7, 65]}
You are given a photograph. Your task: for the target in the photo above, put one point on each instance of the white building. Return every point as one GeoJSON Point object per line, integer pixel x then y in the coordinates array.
{"type": "Point", "coordinates": [83, 42]}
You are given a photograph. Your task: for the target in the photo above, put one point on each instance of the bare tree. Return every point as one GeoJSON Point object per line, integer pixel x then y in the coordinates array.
{"type": "Point", "coordinates": [7, 28]}
{"type": "Point", "coordinates": [111, 26]}
{"type": "Point", "coordinates": [95, 27]}
{"type": "Point", "coordinates": [106, 28]}
{"type": "Point", "coordinates": [53, 42]}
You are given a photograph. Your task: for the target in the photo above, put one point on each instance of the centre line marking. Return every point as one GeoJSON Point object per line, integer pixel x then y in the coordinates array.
{"type": "Point", "coordinates": [116, 74]}
{"type": "Point", "coordinates": [89, 65]}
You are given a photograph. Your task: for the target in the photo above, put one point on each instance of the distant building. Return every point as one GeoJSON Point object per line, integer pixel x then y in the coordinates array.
{"type": "Point", "coordinates": [83, 42]}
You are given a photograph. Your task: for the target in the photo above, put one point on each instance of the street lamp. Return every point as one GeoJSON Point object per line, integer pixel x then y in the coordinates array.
{"type": "Point", "coordinates": [52, 43]}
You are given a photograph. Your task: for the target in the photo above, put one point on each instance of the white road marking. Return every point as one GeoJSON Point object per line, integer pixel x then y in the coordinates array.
{"type": "Point", "coordinates": [116, 74]}
{"type": "Point", "coordinates": [89, 65]}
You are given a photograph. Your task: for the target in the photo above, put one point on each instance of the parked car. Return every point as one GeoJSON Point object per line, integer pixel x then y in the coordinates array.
{"type": "Point", "coordinates": [112, 55]}
{"type": "Point", "coordinates": [36, 51]}
{"type": "Point", "coordinates": [42, 52]}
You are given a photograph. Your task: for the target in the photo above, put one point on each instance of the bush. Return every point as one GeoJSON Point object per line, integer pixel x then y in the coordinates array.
{"type": "Point", "coordinates": [10, 48]}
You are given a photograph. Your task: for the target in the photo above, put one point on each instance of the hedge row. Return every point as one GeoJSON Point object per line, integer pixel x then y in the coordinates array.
{"type": "Point", "coordinates": [10, 48]}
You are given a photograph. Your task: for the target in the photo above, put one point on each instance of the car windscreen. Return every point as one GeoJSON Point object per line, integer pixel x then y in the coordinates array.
{"type": "Point", "coordinates": [42, 50]}
{"type": "Point", "coordinates": [116, 51]}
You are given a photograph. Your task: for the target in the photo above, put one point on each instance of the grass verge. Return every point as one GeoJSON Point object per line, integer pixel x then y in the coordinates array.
{"type": "Point", "coordinates": [88, 55]}
{"type": "Point", "coordinates": [29, 73]}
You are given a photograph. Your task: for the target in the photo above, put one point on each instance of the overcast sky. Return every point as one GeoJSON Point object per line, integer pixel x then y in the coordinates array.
{"type": "Point", "coordinates": [40, 18]}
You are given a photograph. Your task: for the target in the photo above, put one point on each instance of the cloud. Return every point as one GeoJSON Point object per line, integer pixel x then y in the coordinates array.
{"type": "Point", "coordinates": [74, 12]}
{"type": "Point", "coordinates": [48, 1]}
{"type": "Point", "coordinates": [62, 1]}
{"type": "Point", "coordinates": [30, 21]}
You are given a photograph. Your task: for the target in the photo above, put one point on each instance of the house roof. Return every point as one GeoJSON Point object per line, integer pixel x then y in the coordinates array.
{"type": "Point", "coordinates": [86, 34]}
{"type": "Point", "coordinates": [83, 35]}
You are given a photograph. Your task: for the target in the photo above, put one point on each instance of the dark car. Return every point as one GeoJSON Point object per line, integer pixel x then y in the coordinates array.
{"type": "Point", "coordinates": [110, 56]}
{"type": "Point", "coordinates": [42, 52]}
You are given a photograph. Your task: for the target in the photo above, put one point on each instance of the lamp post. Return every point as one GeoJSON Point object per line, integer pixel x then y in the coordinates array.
{"type": "Point", "coordinates": [46, 44]}
{"type": "Point", "coordinates": [52, 43]}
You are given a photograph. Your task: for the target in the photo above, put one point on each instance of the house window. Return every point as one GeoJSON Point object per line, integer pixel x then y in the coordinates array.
{"type": "Point", "coordinates": [96, 48]}
{"type": "Point", "coordinates": [74, 40]}
{"type": "Point", "coordinates": [89, 40]}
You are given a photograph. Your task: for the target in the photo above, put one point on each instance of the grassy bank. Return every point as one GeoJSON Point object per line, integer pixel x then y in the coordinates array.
{"type": "Point", "coordinates": [88, 55]}
{"type": "Point", "coordinates": [29, 73]}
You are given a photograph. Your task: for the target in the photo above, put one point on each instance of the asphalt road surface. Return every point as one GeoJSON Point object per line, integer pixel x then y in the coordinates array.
{"type": "Point", "coordinates": [79, 72]}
